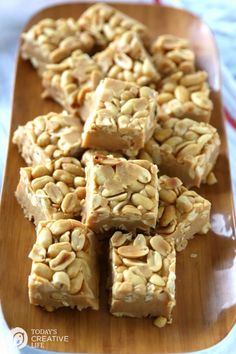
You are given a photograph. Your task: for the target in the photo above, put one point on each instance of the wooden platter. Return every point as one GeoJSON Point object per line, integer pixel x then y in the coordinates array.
{"type": "Point", "coordinates": [206, 287]}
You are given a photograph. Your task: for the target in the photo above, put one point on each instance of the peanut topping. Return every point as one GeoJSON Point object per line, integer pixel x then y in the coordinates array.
{"type": "Point", "coordinates": [121, 111]}
{"type": "Point", "coordinates": [186, 146]}
{"type": "Point", "coordinates": [48, 137]}
{"type": "Point", "coordinates": [176, 214]}
{"type": "Point", "coordinates": [55, 40]}
{"type": "Point", "coordinates": [132, 251]}
{"type": "Point", "coordinates": [126, 59]}
{"type": "Point", "coordinates": [112, 23]}
{"type": "Point", "coordinates": [120, 192]}
{"type": "Point", "coordinates": [142, 269]}
{"type": "Point", "coordinates": [69, 81]}
{"type": "Point", "coordinates": [66, 266]}
{"type": "Point", "coordinates": [183, 91]}
{"type": "Point", "coordinates": [57, 193]}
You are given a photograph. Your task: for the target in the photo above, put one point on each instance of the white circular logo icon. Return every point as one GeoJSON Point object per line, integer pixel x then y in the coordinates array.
{"type": "Point", "coordinates": [19, 337]}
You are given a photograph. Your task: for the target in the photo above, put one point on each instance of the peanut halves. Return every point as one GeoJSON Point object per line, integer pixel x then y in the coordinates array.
{"type": "Point", "coordinates": [121, 116]}
{"type": "Point", "coordinates": [142, 275]}
{"type": "Point", "coordinates": [52, 191]}
{"type": "Point", "coordinates": [64, 269]}
{"type": "Point", "coordinates": [120, 194]}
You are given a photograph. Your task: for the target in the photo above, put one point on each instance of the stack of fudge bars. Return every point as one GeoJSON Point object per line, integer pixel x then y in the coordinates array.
{"type": "Point", "coordinates": [117, 163]}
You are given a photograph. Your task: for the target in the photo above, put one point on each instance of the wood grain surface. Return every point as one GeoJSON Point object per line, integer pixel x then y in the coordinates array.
{"type": "Point", "coordinates": [206, 290]}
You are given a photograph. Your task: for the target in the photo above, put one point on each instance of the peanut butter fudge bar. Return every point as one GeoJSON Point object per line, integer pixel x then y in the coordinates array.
{"type": "Point", "coordinates": [49, 136]}
{"type": "Point", "coordinates": [182, 213]}
{"type": "Point", "coordinates": [143, 275]}
{"type": "Point", "coordinates": [106, 24]}
{"type": "Point", "coordinates": [183, 148]}
{"type": "Point", "coordinates": [52, 191]}
{"type": "Point", "coordinates": [127, 59]}
{"type": "Point", "coordinates": [64, 270]}
{"type": "Point", "coordinates": [172, 54]}
{"type": "Point", "coordinates": [68, 81]}
{"type": "Point", "coordinates": [120, 194]}
{"type": "Point", "coordinates": [183, 91]}
{"type": "Point", "coordinates": [122, 117]}
{"type": "Point", "coordinates": [188, 98]}
{"type": "Point", "coordinates": [51, 41]}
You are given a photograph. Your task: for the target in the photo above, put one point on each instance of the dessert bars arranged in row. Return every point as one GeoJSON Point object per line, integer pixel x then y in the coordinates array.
{"type": "Point", "coordinates": [116, 164]}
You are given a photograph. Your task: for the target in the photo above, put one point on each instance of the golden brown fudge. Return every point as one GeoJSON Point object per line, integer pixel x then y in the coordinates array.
{"type": "Point", "coordinates": [120, 194]}
{"type": "Point", "coordinates": [49, 136]}
{"type": "Point", "coordinates": [183, 148]}
{"type": "Point", "coordinates": [106, 24]}
{"type": "Point", "coordinates": [126, 59]}
{"type": "Point", "coordinates": [51, 41]}
{"type": "Point", "coordinates": [183, 91]}
{"type": "Point", "coordinates": [143, 275]}
{"type": "Point", "coordinates": [69, 81]}
{"type": "Point", "coordinates": [122, 117]}
{"type": "Point", "coordinates": [182, 213]}
{"type": "Point", "coordinates": [64, 271]}
{"type": "Point", "coordinates": [52, 191]}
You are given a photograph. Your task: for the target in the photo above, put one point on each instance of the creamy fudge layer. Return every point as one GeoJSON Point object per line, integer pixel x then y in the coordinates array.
{"type": "Point", "coordinates": [48, 137]}
{"type": "Point", "coordinates": [121, 117]}
{"type": "Point", "coordinates": [182, 213]}
{"type": "Point", "coordinates": [142, 275]}
{"type": "Point", "coordinates": [127, 59]}
{"type": "Point", "coordinates": [183, 148]}
{"type": "Point", "coordinates": [55, 190]}
{"type": "Point", "coordinates": [64, 271]}
{"type": "Point", "coordinates": [120, 194]}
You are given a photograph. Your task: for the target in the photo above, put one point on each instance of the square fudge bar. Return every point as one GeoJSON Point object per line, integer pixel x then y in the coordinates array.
{"type": "Point", "coordinates": [48, 137]}
{"type": "Point", "coordinates": [122, 117]}
{"type": "Point", "coordinates": [172, 54]}
{"type": "Point", "coordinates": [183, 90]}
{"type": "Point", "coordinates": [64, 271]}
{"type": "Point", "coordinates": [126, 59]}
{"type": "Point", "coordinates": [188, 98]}
{"type": "Point", "coordinates": [106, 24]}
{"type": "Point", "coordinates": [182, 213]}
{"type": "Point", "coordinates": [184, 148]}
{"type": "Point", "coordinates": [55, 190]}
{"type": "Point", "coordinates": [68, 81]}
{"type": "Point", "coordinates": [51, 41]}
{"type": "Point", "coordinates": [143, 275]}
{"type": "Point", "coordinates": [120, 194]}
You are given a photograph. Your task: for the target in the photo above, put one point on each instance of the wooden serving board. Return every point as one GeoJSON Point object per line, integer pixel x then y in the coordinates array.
{"type": "Point", "coordinates": [206, 289]}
